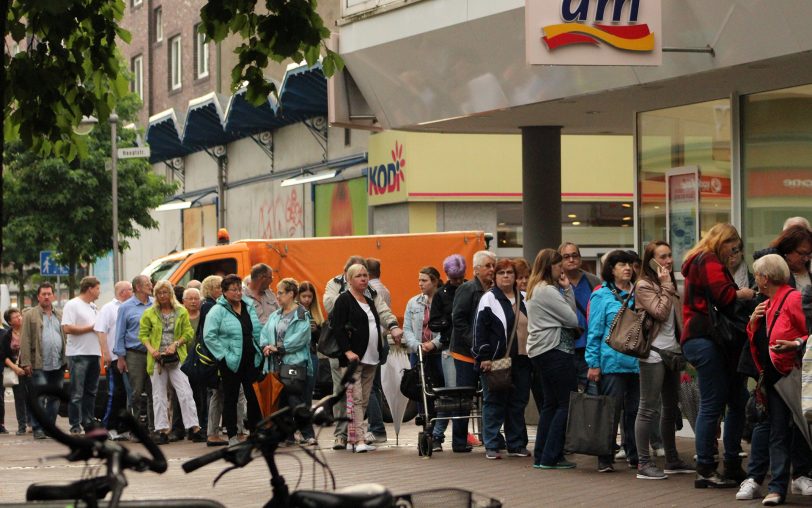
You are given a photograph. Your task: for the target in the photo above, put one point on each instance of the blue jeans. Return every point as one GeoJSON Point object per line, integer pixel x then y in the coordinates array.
{"type": "Point", "coordinates": [459, 428]}
{"type": "Point", "coordinates": [84, 383]}
{"type": "Point", "coordinates": [771, 444]}
{"type": "Point", "coordinates": [507, 408]}
{"type": "Point", "coordinates": [433, 369]}
{"type": "Point", "coordinates": [625, 389]}
{"type": "Point", "coordinates": [718, 386]}
{"type": "Point", "coordinates": [558, 376]}
{"type": "Point", "coordinates": [49, 404]}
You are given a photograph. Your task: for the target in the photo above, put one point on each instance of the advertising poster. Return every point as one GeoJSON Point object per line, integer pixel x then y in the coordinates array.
{"type": "Point", "coordinates": [341, 208]}
{"type": "Point", "coordinates": [682, 204]}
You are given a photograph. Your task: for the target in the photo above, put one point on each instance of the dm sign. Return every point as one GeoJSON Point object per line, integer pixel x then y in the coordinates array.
{"type": "Point", "coordinates": [593, 32]}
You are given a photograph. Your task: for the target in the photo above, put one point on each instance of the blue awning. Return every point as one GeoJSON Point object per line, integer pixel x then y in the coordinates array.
{"type": "Point", "coordinates": [303, 95]}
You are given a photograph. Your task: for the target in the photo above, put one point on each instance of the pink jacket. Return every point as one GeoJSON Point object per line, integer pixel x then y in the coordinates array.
{"type": "Point", "coordinates": [789, 325]}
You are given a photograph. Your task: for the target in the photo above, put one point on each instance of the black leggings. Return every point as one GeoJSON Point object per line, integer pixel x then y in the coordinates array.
{"type": "Point", "coordinates": [231, 392]}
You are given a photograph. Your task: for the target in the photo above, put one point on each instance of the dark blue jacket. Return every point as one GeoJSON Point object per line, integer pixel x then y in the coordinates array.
{"type": "Point", "coordinates": [494, 322]}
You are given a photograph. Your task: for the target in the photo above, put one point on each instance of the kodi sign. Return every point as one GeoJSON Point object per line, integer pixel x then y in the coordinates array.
{"type": "Point", "coordinates": [593, 32]}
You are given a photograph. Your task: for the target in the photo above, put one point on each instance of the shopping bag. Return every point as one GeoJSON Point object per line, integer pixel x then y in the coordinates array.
{"type": "Point", "coordinates": [590, 424]}
{"type": "Point", "coordinates": [806, 385]}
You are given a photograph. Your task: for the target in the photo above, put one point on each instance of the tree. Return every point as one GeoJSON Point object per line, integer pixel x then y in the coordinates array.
{"type": "Point", "coordinates": [68, 66]}
{"type": "Point", "coordinates": [66, 206]}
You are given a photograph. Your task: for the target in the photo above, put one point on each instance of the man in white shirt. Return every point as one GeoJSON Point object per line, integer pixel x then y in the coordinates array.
{"type": "Point", "coordinates": [85, 353]}
{"type": "Point", "coordinates": [117, 385]}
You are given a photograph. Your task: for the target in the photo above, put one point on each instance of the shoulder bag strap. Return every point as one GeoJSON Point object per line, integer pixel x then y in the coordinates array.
{"type": "Point", "coordinates": [775, 316]}
{"type": "Point", "coordinates": [516, 310]}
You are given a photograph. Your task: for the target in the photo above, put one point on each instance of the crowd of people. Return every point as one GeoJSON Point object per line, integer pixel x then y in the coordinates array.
{"type": "Point", "coordinates": [546, 322]}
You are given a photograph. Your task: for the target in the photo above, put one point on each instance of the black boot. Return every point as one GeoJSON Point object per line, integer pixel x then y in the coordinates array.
{"type": "Point", "coordinates": [706, 476]}
{"type": "Point", "coordinates": [733, 471]}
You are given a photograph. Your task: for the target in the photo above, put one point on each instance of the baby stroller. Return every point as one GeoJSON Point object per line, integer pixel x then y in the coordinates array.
{"type": "Point", "coordinates": [454, 403]}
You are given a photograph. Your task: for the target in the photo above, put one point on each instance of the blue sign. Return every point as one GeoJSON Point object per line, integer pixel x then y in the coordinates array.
{"type": "Point", "coordinates": [49, 267]}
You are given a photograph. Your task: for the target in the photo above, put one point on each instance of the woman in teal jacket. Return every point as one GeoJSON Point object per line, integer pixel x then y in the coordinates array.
{"type": "Point", "coordinates": [285, 340]}
{"type": "Point", "coordinates": [165, 330]}
{"type": "Point", "coordinates": [615, 373]}
{"type": "Point", "coordinates": [231, 333]}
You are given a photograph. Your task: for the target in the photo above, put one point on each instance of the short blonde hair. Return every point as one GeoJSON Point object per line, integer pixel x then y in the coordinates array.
{"type": "Point", "coordinates": [353, 270]}
{"type": "Point", "coordinates": [773, 267]}
{"type": "Point", "coordinates": [164, 284]}
{"type": "Point", "coordinates": [209, 283]}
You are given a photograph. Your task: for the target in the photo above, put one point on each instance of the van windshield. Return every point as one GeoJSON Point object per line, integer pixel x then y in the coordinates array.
{"type": "Point", "coordinates": [160, 270]}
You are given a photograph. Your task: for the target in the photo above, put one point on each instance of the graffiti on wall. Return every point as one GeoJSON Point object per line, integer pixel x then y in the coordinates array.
{"type": "Point", "coordinates": [282, 216]}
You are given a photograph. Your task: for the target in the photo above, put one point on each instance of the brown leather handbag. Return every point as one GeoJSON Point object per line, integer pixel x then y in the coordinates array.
{"type": "Point", "coordinates": [628, 333]}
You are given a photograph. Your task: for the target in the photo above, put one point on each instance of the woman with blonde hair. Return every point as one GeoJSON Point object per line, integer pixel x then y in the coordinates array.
{"type": "Point", "coordinates": [309, 299]}
{"type": "Point", "coordinates": [709, 283]}
{"type": "Point", "coordinates": [165, 331]}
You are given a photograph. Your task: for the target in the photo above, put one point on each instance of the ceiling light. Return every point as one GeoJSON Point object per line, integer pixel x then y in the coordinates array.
{"type": "Point", "coordinates": [308, 178]}
{"type": "Point", "coordinates": [572, 216]}
{"type": "Point", "coordinates": [576, 223]}
{"type": "Point", "coordinates": [627, 218]}
{"type": "Point", "coordinates": [174, 205]}
{"type": "Point", "coordinates": [626, 205]}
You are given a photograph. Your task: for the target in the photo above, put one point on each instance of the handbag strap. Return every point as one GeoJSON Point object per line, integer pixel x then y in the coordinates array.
{"type": "Point", "coordinates": [775, 316]}
{"type": "Point", "coordinates": [516, 310]}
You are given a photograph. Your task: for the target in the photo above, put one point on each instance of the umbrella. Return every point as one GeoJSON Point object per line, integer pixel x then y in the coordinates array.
{"type": "Point", "coordinates": [391, 372]}
{"type": "Point", "coordinates": [789, 388]}
{"type": "Point", "coordinates": [267, 392]}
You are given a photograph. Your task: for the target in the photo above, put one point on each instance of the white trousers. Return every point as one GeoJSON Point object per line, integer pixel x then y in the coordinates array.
{"type": "Point", "coordinates": [160, 400]}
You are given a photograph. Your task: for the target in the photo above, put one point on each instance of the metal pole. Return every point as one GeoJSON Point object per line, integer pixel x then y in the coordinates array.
{"type": "Point", "coordinates": [114, 171]}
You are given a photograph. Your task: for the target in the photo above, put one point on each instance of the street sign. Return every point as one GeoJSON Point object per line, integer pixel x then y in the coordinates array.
{"type": "Point", "coordinates": [49, 267]}
{"type": "Point", "coordinates": [136, 152]}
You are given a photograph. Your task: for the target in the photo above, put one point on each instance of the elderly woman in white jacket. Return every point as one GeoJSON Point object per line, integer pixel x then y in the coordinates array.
{"type": "Point", "coordinates": [416, 334]}
{"type": "Point", "coordinates": [552, 324]}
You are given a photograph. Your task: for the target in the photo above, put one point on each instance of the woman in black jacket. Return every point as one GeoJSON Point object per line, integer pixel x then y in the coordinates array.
{"type": "Point", "coordinates": [357, 329]}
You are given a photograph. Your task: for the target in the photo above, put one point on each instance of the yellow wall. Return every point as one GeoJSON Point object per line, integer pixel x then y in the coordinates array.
{"type": "Point", "coordinates": [422, 217]}
{"type": "Point", "coordinates": [488, 167]}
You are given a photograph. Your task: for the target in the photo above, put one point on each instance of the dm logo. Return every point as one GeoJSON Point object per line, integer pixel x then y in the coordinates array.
{"type": "Point", "coordinates": [574, 30]}
{"type": "Point", "coordinates": [386, 178]}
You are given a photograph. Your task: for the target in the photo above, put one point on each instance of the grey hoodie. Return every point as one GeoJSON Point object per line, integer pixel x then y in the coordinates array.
{"type": "Point", "coordinates": [547, 312]}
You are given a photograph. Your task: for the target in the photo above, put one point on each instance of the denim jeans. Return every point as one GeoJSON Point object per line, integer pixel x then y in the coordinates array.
{"type": "Point", "coordinates": [433, 369]}
{"type": "Point", "coordinates": [116, 398]}
{"type": "Point", "coordinates": [459, 428]}
{"type": "Point", "coordinates": [581, 368]}
{"type": "Point", "coordinates": [657, 382]}
{"type": "Point", "coordinates": [770, 445]}
{"type": "Point", "coordinates": [49, 404]}
{"type": "Point", "coordinates": [558, 375]}
{"type": "Point", "coordinates": [718, 386]}
{"type": "Point", "coordinates": [625, 389]}
{"type": "Point", "coordinates": [84, 383]}
{"type": "Point", "coordinates": [507, 408]}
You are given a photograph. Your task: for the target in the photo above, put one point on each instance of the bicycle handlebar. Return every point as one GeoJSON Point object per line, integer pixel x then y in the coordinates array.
{"type": "Point", "coordinates": [84, 448]}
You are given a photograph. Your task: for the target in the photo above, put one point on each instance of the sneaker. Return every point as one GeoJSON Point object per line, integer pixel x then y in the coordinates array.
{"type": "Point", "coordinates": [606, 468]}
{"type": "Point", "coordinates": [561, 464]}
{"type": "Point", "coordinates": [749, 489]}
{"type": "Point", "coordinates": [21, 432]}
{"type": "Point", "coordinates": [621, 454]}
{"type": "Point", "coordinates": [632, 464]}
{"type": "Point", "coordinates": [437, 446]}
{"type": "Point", "coordinates": [39, 434]}
{"type": "Point", "coordinates": [216, 441]}
{"type": "Point", "coordinates": [713, 480]}
{"type": "Point", "coordinates": [492, 454]}
{"type": "Point", "coordinates": [658, 452]}
{"type": "Point", "coordinates": [379, 438]}
{"type": "Point", "coordinates": [362, 448]}
{"type": "Point", "coordinates": [772, 499]}
{"type": "Point", "coordinates": [233, 440]}
{"type": "Point", "coordinates": [801, 485]}
{"type": "Point", "coordinates": [522, 452]}
{"type": "Point", "coordinates": [649, 471]}
{"type": "Point", "coordinates": [340, 443]}
{"type": "Point", "coordinates": [678, 467]}
{"type": "Point", "coordinates": [473, 441]}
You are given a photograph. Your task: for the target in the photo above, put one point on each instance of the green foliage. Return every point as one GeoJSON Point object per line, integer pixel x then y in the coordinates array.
{"type": "Point", "coordinates": [284, 29]}
{"type": "Point", "coordinates": [68, 67]}
{"type": "Point", "coordinates": [50, 203]}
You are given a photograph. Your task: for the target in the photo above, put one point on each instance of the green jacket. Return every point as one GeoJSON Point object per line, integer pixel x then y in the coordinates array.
{"type": "Point", "coordinates": [222, 333]}
{"type": "Point", "coordinates": [152, 329]}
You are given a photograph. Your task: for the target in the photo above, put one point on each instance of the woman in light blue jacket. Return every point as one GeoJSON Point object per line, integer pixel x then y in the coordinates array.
{"type": "Point", "coordinates": [285, 340]}
{"type": "Point", "coordinates": [615, 373]}
{"type": "Point", "coordinates": [416, 334]}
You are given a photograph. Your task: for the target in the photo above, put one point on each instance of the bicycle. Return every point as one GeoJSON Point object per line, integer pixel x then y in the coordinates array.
{"type": "Point", "coordinates": [276, 428]}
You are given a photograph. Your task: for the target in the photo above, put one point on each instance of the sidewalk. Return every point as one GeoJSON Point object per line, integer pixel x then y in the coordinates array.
{"type": "Point", "coordinates": [398, 467]}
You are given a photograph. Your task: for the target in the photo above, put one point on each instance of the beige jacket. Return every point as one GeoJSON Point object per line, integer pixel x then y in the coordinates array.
{"type": "Point", "coordinates": [31, 337]}
{"type": "Point", "coordinates": [658, 301]}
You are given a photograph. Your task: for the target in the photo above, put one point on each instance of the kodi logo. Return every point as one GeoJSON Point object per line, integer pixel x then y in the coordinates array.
{"type": "Point", "coordinates": [386, 178]}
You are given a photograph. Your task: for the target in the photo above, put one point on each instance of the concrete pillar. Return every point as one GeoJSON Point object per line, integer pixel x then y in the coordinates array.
{"type": "Point", "coordinates": [541, 189]}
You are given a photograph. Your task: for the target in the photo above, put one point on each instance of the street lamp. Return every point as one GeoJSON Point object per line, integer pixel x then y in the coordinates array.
{"type": "Point", "coordinates": [114, 176]}
{"type": "Point", "coordinates": [85, 125]}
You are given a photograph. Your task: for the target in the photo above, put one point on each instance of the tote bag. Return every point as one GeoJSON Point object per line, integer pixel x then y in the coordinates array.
{"type": "Point", "coordinates": [590, 424]}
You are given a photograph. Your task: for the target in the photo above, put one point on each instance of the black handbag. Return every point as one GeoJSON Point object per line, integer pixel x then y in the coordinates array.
{"type": "Point", "coordinates": [673, 360]}
{"type": "Point", "coordinates": [590, 424]}
{"type": "Point", "coordinates": [200, 366]}
{"type": "Point", "coordinates": [166, 360]}
{"type": "Point", "coordinates": [294, 377]}
{"type": "Point", "coordinates": [327, 345]}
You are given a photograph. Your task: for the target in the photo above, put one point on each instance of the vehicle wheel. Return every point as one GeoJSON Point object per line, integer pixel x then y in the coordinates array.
{"type": "Point", "coordinates": [429, 444]}
{"type": "Point", "coordinates": [423, 448]}
{"type": "Point", "coordinates": [408, 415]}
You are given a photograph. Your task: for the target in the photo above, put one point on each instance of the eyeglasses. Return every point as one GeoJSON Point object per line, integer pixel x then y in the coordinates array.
{"type": "Point", "coordinates": [735, 250]}
{"type": "Point", "coordinates": [236, 289]}
{"type": "Point", "coordinates": [505, 272]}
{"type": "Point", "coordinates": [571, 256]}
{"type": "Point", "coordinates": [803, 254]}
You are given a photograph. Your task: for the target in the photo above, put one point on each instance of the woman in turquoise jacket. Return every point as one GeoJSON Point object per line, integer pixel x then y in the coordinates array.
{"type": "Point", "coordinates": [231, 333]}
{"type": "Point", "coordinates": [285, 340]}
{"type": "Point", "coordinates": [615, 373]}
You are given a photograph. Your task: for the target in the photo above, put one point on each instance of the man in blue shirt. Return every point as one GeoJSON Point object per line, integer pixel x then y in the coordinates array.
{"type": "Point", "coordinates": [132, 355]}
{"type": "Point", "coordinates": [583, 283]}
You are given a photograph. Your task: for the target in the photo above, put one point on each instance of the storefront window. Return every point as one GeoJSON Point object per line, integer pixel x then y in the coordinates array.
{"type": "Point", "coordinates": [680, 142]}
{"type": "Point", "coordinates": [776, 162]}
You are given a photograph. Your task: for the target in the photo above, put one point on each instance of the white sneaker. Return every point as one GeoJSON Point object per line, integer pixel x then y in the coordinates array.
{"type": "Point", "coordinates": [658, 452]}
{"type": "Point", "coordinates": [749, 489]}
{"type": "Point", "coordinates": [363, 448]}
{"type": "Point", "coordinates": [802, 485]}
{"type": "Point", "coordinates": [621, 454]}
